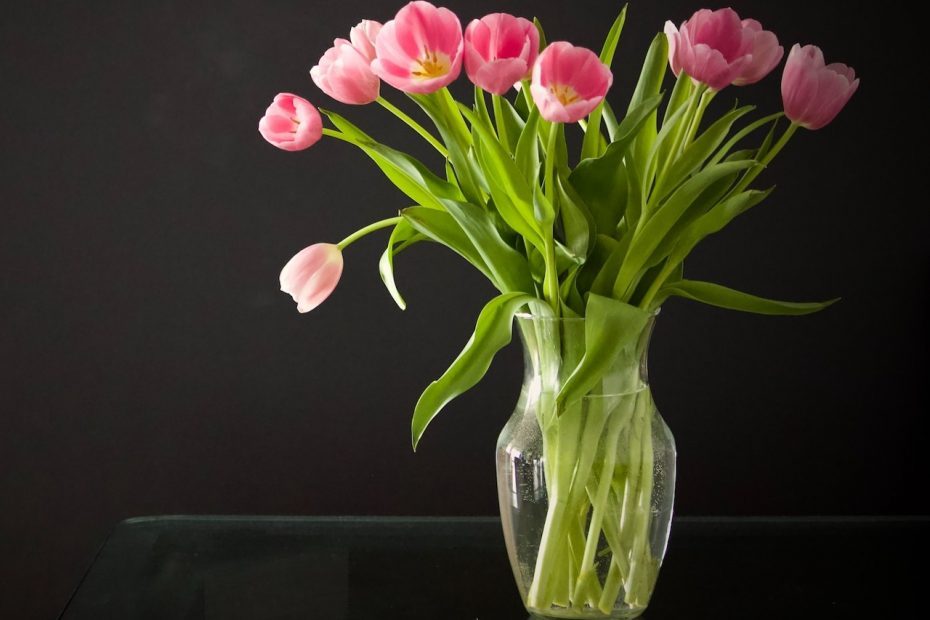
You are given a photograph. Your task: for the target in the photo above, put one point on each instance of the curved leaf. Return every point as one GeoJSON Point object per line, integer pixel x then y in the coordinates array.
{"type": "Point", "coordinates": [402, 237]}
{"type": "Point", "coordinates": [610, 325]}
{"type": "Point", "coordinates": [723, 297]}
{"type": "Point", "coordinates": [492, 333]}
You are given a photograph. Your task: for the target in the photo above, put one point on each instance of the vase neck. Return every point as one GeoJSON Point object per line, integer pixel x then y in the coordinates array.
{"type": "Point", "coordinates": [554, 348]}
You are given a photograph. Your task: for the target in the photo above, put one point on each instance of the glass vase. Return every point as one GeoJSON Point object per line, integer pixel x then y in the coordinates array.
{"type": "Point", "coordinates": [586, 488]}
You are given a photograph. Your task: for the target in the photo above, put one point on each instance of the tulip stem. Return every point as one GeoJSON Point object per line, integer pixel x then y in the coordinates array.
{"type": "Point", "coordinates": [417, 127]}
{"type": "Point", "coordinates": [361, 232]}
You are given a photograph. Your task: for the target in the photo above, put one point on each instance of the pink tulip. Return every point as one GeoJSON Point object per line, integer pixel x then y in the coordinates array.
{"type": "Point", "coordinates": [764, 55]}
{"type": "Point", "coordinates": [499, 51]}
{"type": "Point", "coordinates": [420, 50]}
{"type": "Point", "coordinates": [291, 123]}
{"type": "Point", "coordinates": [363, 36]}
{"type": "Point", "coordinates": [717, 49]}
{"type": "Point", "coordinates": [344, 73]}
{"type": "Point", "coordinates": [312, 275]}
{"type": "Point", "coordinates": [814, 92]}
{"type": "Point", "coordinates": [568, 82]}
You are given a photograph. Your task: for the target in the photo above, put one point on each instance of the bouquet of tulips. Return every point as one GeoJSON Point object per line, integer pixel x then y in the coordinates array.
{"type": "Point", "coordinates": [602, 233]}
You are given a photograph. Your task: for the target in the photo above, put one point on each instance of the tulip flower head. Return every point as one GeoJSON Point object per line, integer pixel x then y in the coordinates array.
{"type": "Point", "coordinates": [814, 92]}
{"type": "Point", "coordinates": [344, 73]}
{"type": "Point", "coordinates": [420, 50]}
{"type": "Point", "coordinates": [500, 50]}
{"type": "Point", "coordinates": [363, 36]}
{"type": "Point", "coordinates": [716, 48]}
{"type": "Point", "coordinates": [568, 82]}
{"type": "Point", "coordinates": [312, 275]}
{"type": "Point", "coordinates": [291, 123]}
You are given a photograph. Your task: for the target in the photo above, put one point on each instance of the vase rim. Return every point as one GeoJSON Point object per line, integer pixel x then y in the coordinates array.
{"type": "Point", "coordinates": [566, 319]}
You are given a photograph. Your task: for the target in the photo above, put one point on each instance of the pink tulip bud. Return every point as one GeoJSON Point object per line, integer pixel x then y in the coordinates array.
{"type": "Point", "coordinates": [499, 51]}
{"type": "Point", "coordinates": [363, 36]}
{"type": "Point", "coordinates": [312, 275]}
{"type": "Point", "coordinates": [344, 73]}
{"type": "Point", "coordinates": [812, 91]}
{"type": "Point", "coordinates": [291, 123]}
{"type": "Point", "coordinates": [717, 49]}
{"type": "Point", "coordinates": [420, 50]}
{"type": "Point", "coordinates": [568, 82]}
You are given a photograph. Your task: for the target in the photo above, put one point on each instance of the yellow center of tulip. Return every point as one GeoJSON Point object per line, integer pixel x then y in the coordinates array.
{"type": "Point", "coordinates": [564, 93]}
{"type": "Point", "coordinates": [431, 65]}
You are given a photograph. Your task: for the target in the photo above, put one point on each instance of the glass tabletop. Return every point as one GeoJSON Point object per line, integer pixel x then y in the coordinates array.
{"type": "Point", "coordinates": [279, 568]}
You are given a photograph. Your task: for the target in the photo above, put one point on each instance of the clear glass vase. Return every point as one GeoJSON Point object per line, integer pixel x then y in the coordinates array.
{"type": "Point", "coordinates": [586, 488]}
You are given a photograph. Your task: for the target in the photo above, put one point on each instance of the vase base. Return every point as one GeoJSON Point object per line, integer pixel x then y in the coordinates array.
{"type": "Point", "coordinates": [584, 614]}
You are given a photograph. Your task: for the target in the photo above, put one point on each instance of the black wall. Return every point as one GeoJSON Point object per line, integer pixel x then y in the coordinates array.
{"type": "Point", "coordinates": [150, 365]}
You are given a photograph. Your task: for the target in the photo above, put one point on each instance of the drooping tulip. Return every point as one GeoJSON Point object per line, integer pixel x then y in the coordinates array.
{"type": "Point", "coordinates": [499, 51]}
{"type": "Point", "coordinates": [420, 50]}
{"type": "Point", "coordinates": [291, 123]}
{"type": "Point", "coordinates": [344, 73]}
{"type": "Point", "coordinates": [363, 35]}
{"type": "Point", "coordinates": [568, 82]}
{"type": "Point", "coordinates": [814, 92]}
{"type": "Point", "coordinates": [312, 275]}
{"type": "Point", "coordinates": [716, 48]}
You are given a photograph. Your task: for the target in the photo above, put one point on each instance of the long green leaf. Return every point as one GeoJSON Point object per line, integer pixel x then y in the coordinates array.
{"type": "Point", "coordinates": [442, 228]}
{"type": "Point", "coordinates": [402, 237]}
{"type": "Point", "coordinates": [492, 333]}
{"type": "Point", "coordinates": [714, 221]}
{"type": "Point", "coordinates": [602, 182]}
{"type": "Point", "coordinates": [407, 173]}
{"type": "Point", "coordinates": [655, 229]}
{"type": "Point", "coordinates": [700, 150]}
{"type": "Point", "coordinates": [592, 134]}
{"type": "Point", "coordinates": [649, 85]}
{"type": "Point", "coordinates": [509, 266]}
{"type": "Point", "coordinates": [723, 297]}
{"type": "Point", "coordinates": [610, 326]}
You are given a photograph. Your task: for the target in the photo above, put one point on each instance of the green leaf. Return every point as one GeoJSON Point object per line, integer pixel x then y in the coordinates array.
{"type": "Point", "coordinates": [649, 85]}
{"type": "Point", "coordinates": [577, 221]}
{"type": "Point", "coordinates": [402, 237]}
{"type": "Point", "coordinates": [610, 326]}
{"type": "Point", "coordinates": [542, 34]}
{"type": "Point", "coordinates": [613, 37]}
{"type": "Point", "coordinates": [492, 333]}
{"type": "Point", "coordinates": [512, 194]}
{"type": "Point", "coordinates": [455, 136]}
{"type": "Point", "coordinates": [592, 135]}
{"type": "Point", "coordinates": [700, 150]}
{"type": "Point", "coordinates": [610, 121]}
{"type": "Point", "coordinates": [602, 182]}
{"type": "Point", "coordinates": [508, 266]}
{"type": "Point", "coordinates": [405, 172]}
{"type": "Point", "coordinates": [442, 228]}
{"type": "Point", "coordinates": [742, 133]}
{"type": "Point", "coordinates": [714, 220]}
{"type": "Point", "coordinates": [680, 94]}
{"type": "Point", "coordinates": [655, 229]}
{"type": "Point", "coordinates": [723, 297]}
{"type": "Point", "coordinates": [526, 153]}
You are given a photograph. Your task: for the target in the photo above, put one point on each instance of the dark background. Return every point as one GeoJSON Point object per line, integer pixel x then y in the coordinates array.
{"type": "Point", "coordinates": [150, 365]}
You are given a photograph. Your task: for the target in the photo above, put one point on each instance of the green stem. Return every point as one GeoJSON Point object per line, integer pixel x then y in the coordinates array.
{"type": "Point", "coordinates": [417, 127]}
{"type": "Point", "coordinates": [458, 125]}
{"type": "Point", "coordinates": [551, 285]}
{"type": "Point", "coordinates": [358, 234]}
{"type": "Point", "coordinates": [499, 121]}
{"type": "Point", "coordinates": [680, 132]}
{"type": "Point", "coordinates": [656, 285]}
